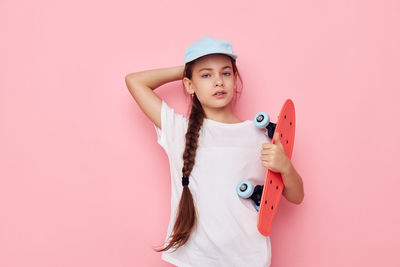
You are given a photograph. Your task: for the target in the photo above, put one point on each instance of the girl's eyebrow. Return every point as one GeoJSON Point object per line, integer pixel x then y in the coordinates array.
{"type": "Point", "coordinates": [211, 68]}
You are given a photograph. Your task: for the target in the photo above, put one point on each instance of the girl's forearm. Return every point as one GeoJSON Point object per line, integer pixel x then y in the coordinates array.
{"type": "Point", "coordinates": [156, 77]}
{"type": "Point", "coordinates": [293, 189]}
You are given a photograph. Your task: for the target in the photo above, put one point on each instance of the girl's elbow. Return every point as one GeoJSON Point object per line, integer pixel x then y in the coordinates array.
{"type": "Point", "coordinates": [300, 200]}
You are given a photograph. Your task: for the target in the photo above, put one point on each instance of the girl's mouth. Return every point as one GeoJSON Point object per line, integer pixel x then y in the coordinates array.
{"type": "Point", "coordinates": [220, 95]}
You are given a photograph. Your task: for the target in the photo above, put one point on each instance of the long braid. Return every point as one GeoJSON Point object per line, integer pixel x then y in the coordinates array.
{"type": "Point", "coordinates": [186, 216]}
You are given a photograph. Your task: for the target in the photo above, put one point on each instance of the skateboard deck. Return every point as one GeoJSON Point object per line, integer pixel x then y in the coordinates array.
{"type": "Point", "coordinates": [267, 196]}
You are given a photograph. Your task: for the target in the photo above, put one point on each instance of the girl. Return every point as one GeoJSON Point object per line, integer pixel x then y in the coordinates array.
{"type": "Point", "coordinates": [209, 153]}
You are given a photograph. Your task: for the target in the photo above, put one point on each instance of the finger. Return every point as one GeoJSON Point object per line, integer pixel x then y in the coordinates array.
{"type": "Point", "coordinates": [266, 157]}
{"type": "Point", "coordinates": [276, 137]}
{"type": "Point", "coordinates": [278, 141]}
{"type": "Point", "coordinates": [267, 152]}
{"type": "Point", "coordinates": [267, 145]}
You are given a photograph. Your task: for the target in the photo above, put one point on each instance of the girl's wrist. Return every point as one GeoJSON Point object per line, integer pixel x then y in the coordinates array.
{"type": "Point", "coordinates": [179, 72]}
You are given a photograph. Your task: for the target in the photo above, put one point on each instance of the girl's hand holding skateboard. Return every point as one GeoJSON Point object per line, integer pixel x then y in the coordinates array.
{"type": "Point", "coordinates": [273, 156]}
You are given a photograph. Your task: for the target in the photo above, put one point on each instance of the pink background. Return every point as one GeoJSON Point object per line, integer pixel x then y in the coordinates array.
{"type": "Point", "coordinates": [83, 181]}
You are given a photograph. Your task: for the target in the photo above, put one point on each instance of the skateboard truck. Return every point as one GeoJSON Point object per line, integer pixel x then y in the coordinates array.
{"type": "Point", "coordinates": [261, 119]}
{"type": "Point", "coordinates": [246, 190]}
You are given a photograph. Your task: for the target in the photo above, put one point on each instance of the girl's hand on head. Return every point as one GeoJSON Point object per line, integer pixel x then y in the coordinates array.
{"type": "Point", "coordinates": [273, 156]}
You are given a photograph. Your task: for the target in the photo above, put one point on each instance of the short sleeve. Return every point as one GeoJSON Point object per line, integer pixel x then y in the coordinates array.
{"type": "Point", "coordinates": [172, 127]}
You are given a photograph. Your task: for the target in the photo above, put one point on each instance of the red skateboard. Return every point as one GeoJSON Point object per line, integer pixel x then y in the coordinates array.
{"type": "Point", "coordinates": [266, 197]}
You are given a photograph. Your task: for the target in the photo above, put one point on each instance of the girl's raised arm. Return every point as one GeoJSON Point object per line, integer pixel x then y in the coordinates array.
{"type": "Point", "coordinates": [141, 85]}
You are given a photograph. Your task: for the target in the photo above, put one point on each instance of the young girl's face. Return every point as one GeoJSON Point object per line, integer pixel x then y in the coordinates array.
{"type": "Point", "coordinates": [213, 73]}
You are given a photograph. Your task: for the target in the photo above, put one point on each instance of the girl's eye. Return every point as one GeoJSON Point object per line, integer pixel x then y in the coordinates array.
{"type": "Point", "coordinates": [224, 73]}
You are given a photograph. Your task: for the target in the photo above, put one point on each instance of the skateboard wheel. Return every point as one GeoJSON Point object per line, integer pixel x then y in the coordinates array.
{"type": "Point", "coordinates": [257, 207]}
{"type": "Point", "coordinates": [261, 119]}
{"type": "Point", "coordinates": [245, 189]}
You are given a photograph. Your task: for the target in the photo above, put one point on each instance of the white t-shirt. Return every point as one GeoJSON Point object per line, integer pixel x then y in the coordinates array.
{"type": "Point", "coordinates": [226, 234]}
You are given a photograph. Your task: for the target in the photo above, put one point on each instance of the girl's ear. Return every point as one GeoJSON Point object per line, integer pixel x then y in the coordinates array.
{"type": "Point", "coordinates": [188, 85]}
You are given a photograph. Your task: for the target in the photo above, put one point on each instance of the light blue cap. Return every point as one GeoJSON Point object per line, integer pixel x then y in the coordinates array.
{"type": "Point", "coordinates": [208, 45]}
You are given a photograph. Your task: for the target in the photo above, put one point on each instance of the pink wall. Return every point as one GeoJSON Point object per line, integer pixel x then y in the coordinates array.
{"type": "Point", "coordinates": [79, 160]}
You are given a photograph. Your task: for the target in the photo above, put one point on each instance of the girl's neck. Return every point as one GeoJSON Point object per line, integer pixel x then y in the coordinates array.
{"type": "Point", "coordinates": [221, 115]}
